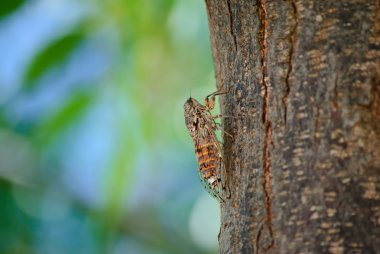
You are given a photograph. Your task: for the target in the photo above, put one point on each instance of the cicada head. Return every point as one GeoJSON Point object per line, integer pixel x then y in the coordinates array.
{"type": "Point", "coordinates": [192, 115]}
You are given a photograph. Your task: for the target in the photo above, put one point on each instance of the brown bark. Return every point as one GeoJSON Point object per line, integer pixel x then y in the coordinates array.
{"type": "Point", "coordinates": [303, 166]}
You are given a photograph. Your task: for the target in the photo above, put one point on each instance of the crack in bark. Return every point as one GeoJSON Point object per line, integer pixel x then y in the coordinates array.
{"type": "Point", "coordinates": [316, 127]}
{"type": "Point", "coordinates": [264, 52]}
{"type": "Point", "coordinates": [258, 238]}
{"type": "Point", "coordinates": [290, 69]}
{"type": "Point", "coordinates": [267, 180]}
{"type": "Point", "coordinates": [267, 167]}
{"type": "Point", "coordinates": [232, 24]}
{"type": "Point", "coordinates": [335, 92]}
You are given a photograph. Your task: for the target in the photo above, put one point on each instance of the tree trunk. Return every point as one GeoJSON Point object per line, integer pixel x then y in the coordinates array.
{"type": "Point", "coordinates": [303, 163]}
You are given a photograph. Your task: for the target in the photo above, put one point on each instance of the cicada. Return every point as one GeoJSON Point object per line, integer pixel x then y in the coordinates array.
{"type": "Point", "coordinates": [202, 127]}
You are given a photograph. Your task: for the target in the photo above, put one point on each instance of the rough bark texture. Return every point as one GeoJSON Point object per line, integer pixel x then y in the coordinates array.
{"type": "Point", "coordinates": [303, 165]}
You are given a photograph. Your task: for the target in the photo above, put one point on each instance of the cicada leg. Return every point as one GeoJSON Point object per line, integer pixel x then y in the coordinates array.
{"type": "Point", "coordinates": [210, 99]}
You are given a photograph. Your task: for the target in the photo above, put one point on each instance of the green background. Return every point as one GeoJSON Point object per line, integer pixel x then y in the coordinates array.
{"type": "Point", "coordinates": [94, 153]}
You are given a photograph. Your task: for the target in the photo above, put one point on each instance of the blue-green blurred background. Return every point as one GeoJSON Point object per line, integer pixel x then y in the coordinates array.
{"type": "Point", "coordinates": [94, 153]}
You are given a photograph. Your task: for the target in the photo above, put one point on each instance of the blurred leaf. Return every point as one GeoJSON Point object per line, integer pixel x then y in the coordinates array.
{"type": "Point", "coordinates": [59, 122]}
{"type": "Point", "coordinates": [9, 6]}
{"type": "Point", "coordinates": [54, 54]}
{"type": "Point", "coordinates": [14, 227]}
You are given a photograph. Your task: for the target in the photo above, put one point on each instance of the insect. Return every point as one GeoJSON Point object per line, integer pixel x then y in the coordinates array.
{"type": "Point", "coordinates": [202, 127]}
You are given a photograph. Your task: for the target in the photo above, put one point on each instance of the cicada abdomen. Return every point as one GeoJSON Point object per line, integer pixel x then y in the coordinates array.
{"type": "Point", "coordinates": [202, 126]}
{"type": "Point", "coordinates": [210, 164]}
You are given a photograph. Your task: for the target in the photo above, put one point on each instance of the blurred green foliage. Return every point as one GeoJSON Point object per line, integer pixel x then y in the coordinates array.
{"type": "Point", "coordinates": [55, 53]}
{"type": "Point", "coordinates": [94, 154]}
{"type": "Point", "coordinates": [9, 6]}
{"type": "Point", "coordinates": [51, 126]}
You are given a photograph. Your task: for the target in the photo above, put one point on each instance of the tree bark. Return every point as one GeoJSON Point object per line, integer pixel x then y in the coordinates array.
{"type": "Point", "coordinates": [303, 163]}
